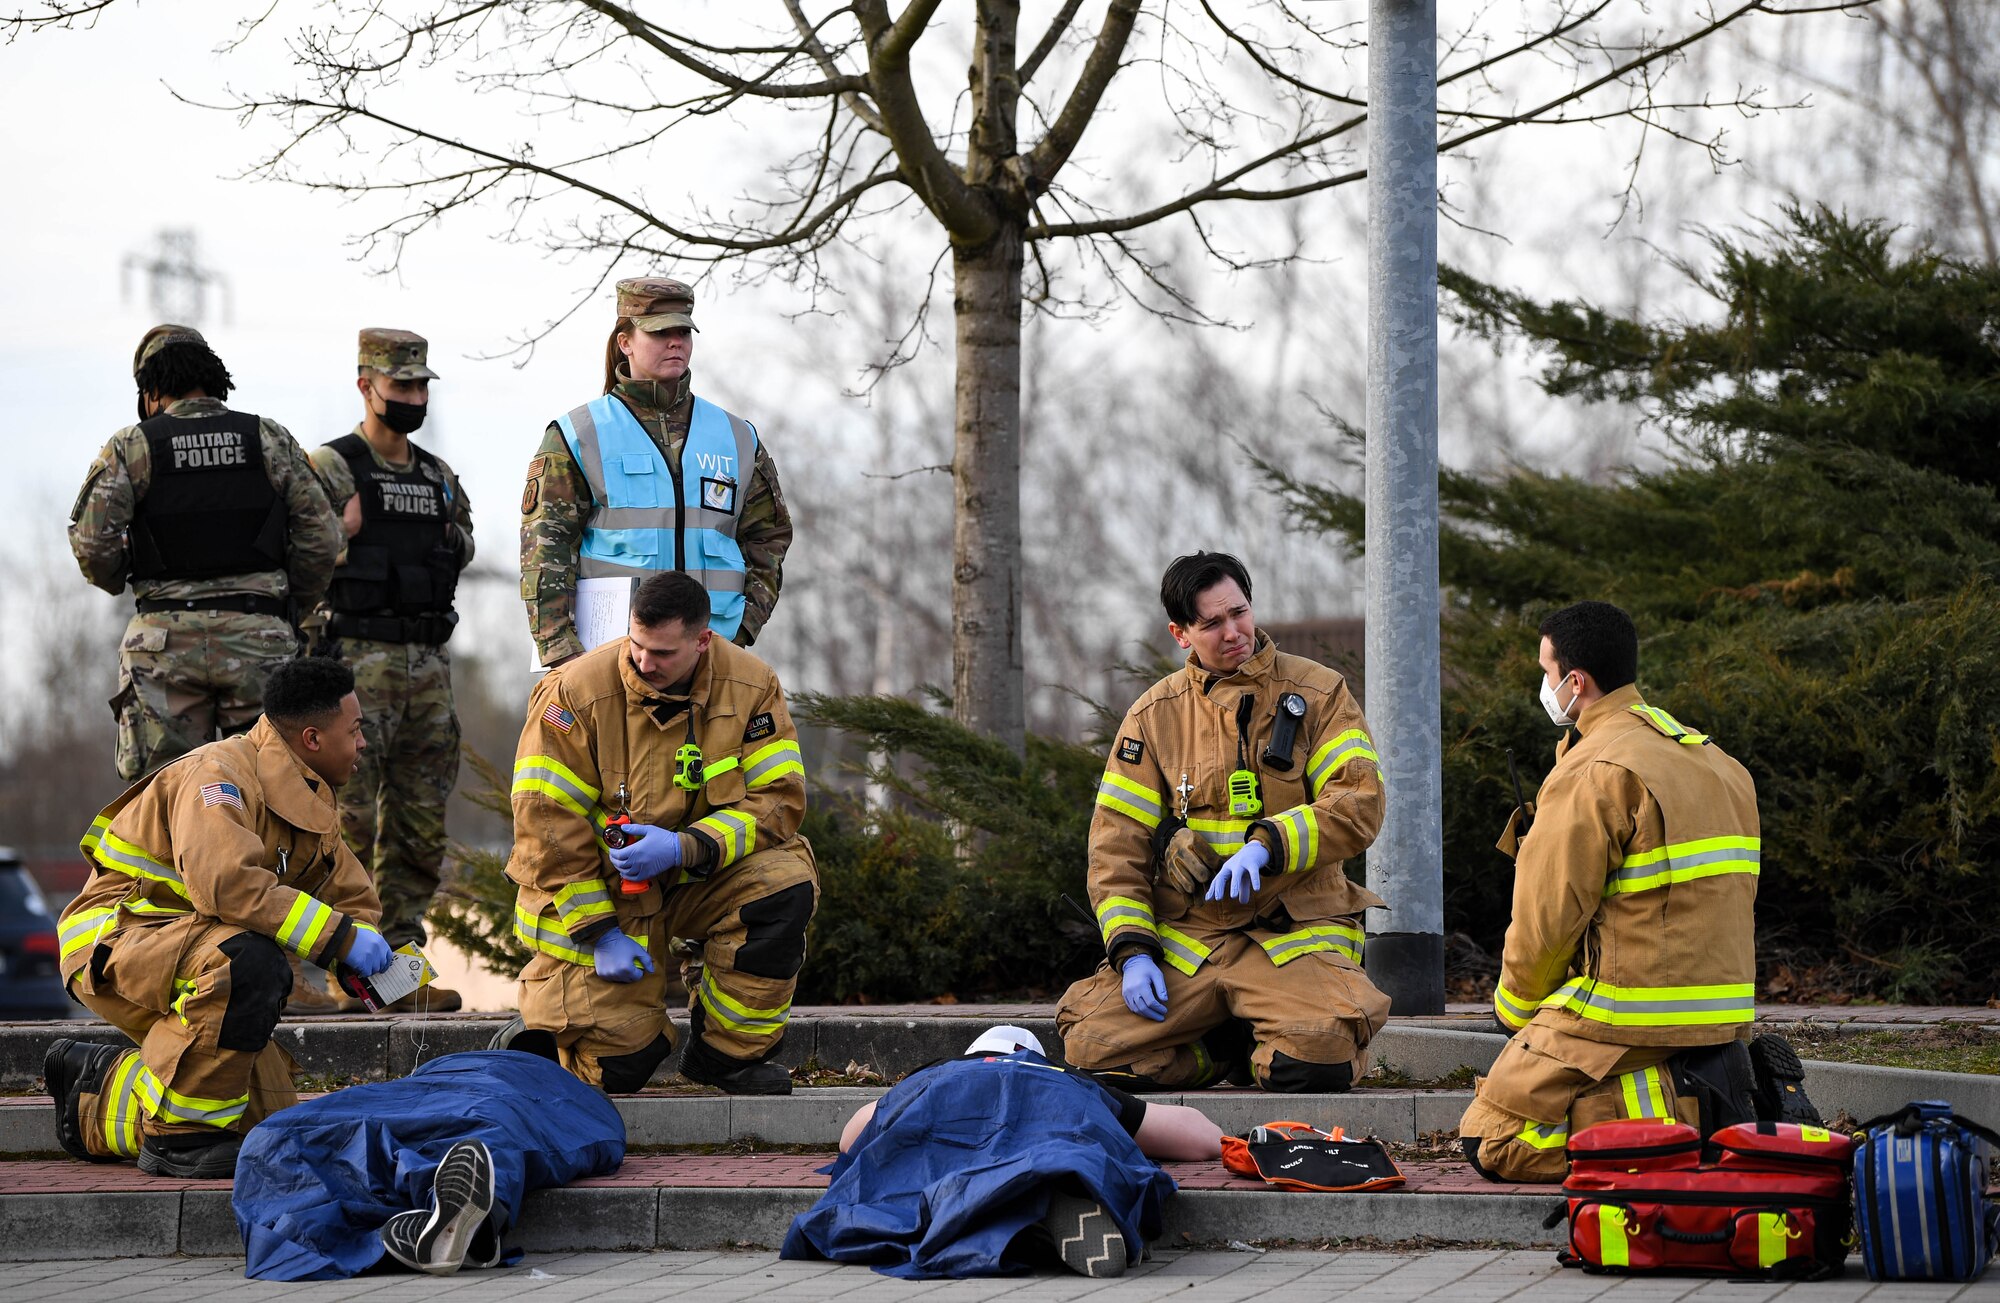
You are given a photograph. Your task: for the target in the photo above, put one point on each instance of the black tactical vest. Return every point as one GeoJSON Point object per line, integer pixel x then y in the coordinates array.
{"type": "Point", "coordinates": [209, 509]}
{"type": "Point", "coordinates": [401, 563]}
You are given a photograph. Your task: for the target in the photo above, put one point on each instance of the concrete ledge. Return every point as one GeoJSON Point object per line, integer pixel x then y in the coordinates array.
{"type": "Point", "coordinates": [1512, 1219]}
{"type": "Point", "coordinates": [41, 1227]}
{"type": "Point", "coordinates": [1865, 1091]}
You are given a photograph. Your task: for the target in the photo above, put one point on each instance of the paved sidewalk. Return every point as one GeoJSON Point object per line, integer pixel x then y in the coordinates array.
{"type": "Point", "coordinates": [1213, 1277]}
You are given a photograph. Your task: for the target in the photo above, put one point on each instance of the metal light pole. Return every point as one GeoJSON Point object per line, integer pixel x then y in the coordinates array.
{"type": "Point", "coordinates": [1405, 953]}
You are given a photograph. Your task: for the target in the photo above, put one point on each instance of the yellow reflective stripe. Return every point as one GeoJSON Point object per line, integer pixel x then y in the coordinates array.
{"type": "Point", "coordinates": [1123, 911]}
{"type": "Point", "coordinates": [119, 1102]}
{"type": "Point", "coordinates": [1536, 1135]}
{"type": "Point", "coordinates": [547, 776]}
{"type": "Point", "coordinates": [1182, 950]}
{"type": "Point", "coordinates": [547, 936]}
{"type": "Point", "coordinates": [1338, 936]}
{"type": "Point", "coordinates": [1612, 1236]}
{"type": "Point", "coordinates": [141, 905]}
{"type": "Point", "coordinates": [115, 852]}
{"type": "Point", "coordinates": [1354, 744]}
{"type": "Point", "coordinates": [304, 924]}
{"type": "Point", "coordinates": [579, 902]}
{"type": "Point", "coordinates": [1117, 792]}
{"type": "Point", "coordinates": [1643, 1095]}
{"type": "Point", "coordinates": [1512, 1009]}
{"type": "Point", "coordinates": [86, 927]}
{"type": "Point", "coordinates": [768, 764]}
{"type": "Point", "coordinates": [1656, 1006]}
{"type": "Point", "coordinates": [1225, 836]}
{"type": "Point", "coordinates": [93, 835]}
{"type": "Point", "coordinates": [718, 769]}
{"type": "Point", "coordinates": [736, 1015]}
{"type": "Point", "coordinates": [1707, 857]}
{"type": "Point", "coordinates": [176, 1107]}
{"type": "Point", "coordinates": [735, 835]}
{"type": "Point", "coordinates": [183, 989]}
{"type": "Point", "coordinates": [1668, 725]}
{"type": "Point", "coordinates": [1774, 1238]}
{"type": "Point", "coordinates": [1298, 829]}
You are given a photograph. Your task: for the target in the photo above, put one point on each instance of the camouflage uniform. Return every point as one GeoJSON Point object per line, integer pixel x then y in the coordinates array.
{"type": "Point", "coordinates": [392, 812]}
{"type": "Point", "coordinates": [557, 503]}
{"type": "Point", "coordinates": [190, 676]}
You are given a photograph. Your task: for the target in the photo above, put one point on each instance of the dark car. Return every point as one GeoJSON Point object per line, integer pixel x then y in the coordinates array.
{"type": "Point", "coordinates": [29, 984]}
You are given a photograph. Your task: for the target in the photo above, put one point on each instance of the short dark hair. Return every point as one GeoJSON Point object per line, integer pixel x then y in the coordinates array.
{"type": "Point", "coordinates": [183, 367]}
{"type": "Point", "coordinates": [671, 595]}
{"type": "Point", "coordinates": [1597, 638]}
{"type": "Point", "coordinates": [1191, 576]}
{"type": "Point", "coordinates": [305, 691]}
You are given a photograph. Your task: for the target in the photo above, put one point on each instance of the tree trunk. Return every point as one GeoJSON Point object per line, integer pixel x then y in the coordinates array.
{"type": "Point", "coordinates": [986, 666]}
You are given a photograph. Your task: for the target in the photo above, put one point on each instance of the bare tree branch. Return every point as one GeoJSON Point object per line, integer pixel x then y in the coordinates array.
{"type": "Point", "coordinates": [1042, 162]}
{"type": "Point", "coordinates": [1050, 39]}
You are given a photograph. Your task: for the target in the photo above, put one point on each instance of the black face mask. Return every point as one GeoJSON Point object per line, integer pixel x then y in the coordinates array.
{"type": "Point", "coordinates": [403, 418]}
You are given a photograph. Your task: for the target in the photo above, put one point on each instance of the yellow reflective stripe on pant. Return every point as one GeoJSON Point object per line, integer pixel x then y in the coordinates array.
{"type": "Point", "coordinates": [547, 776]}
{"type": "Point", "coordinates": [1298, 836]}
{"type": "Point", "coordinates": [548, 936]}
{"type": "Point", "coordinates": [131, 1092]}
{"type": "Point", "coordinates": [1647, 1093]}
{"type": "Point", "coordinates": [93, 835]}
{"type": "Point", "coordinates": [1123, 911]}
{"type": "Point", "coordinates": [737, 1016]}
{"type": "Point", "coordinates": [1182, 950]}
{"type": "Point", "coordinates": [183, 989]}
{"type": "Point", "coordinates": [1684, 862]}
{"type": "Point", "coordinates": [1116, 792]}
{"type": "Point", "coordinates": [305, 925]}
{"type": "Point", "coordinates": [1613, 1236]}
{"type": "Point", "coordinates": [1656, 1006]}
{"type": "Point", "coordinates": [1335, 752]}
{"type": "Point", "coordinates": [116, 853]}
{"type": "Point", "coordinates": [734, 832]}
{"type": "Point", "coordinates": [1513, 1010]}
{"type": "Point", "coordinates": [580, 902]}
{"type": "Point", "coordinates": [767, 765]}
{"type": "Point", "coordinates": [86, 928]}
{"type": "Point", "coordinates": [1336, 936]}
{"type": "Point", "coordinates": [1540, 1135]}
{"type": "Point", "coordinates": [120, 1105]}
{"type": "Point", "coordinates": [1224, 836]}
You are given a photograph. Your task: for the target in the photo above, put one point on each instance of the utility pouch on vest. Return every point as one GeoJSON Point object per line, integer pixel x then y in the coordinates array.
{"type": "Point", "coordinates": [1284, 732]}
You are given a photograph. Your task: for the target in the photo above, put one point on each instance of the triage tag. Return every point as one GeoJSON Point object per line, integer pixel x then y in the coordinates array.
{"type": "Point", "coordinates": [408, 969]}
{"type": "Point", "coordinates": [1243, 800]}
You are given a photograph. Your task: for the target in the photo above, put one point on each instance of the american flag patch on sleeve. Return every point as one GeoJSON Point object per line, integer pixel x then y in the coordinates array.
{"type": "Point", "coordinates": [559, 717]}
{"type": "Point", "coordinates": [221, 794]}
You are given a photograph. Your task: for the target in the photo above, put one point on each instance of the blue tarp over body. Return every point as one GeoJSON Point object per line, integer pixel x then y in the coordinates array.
{"type": "Point", "coordinates": [962, 1157]}
{"type": "Point", "coordinates": [315, 1182]}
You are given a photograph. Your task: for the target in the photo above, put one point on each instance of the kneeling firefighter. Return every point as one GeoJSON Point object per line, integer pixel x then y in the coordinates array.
{"type": "Point", "coordinates": [657, 793]}
{"type": "Point", "coordinates": [1629, 971]}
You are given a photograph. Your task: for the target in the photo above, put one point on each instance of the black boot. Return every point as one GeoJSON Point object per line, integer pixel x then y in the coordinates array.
{"type": "Point", "coordinates": [1780, 1083]}
{"type": "Point", "coordinates": [191, 1158]}
{"type": "Point", "coordinates": [709, 1067]}
{"type": "Point", "coordinates": [73, 1068]}
{"type": "Point", "coordinates": [1721, 1081]}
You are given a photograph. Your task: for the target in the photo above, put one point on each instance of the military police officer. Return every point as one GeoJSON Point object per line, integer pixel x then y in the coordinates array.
{"type": "Point", "coordinates": [649, 478]}
{"type": "Point", "coordinates": [217, 522]}
{"type": "Point", "coordinates": [409, 534]}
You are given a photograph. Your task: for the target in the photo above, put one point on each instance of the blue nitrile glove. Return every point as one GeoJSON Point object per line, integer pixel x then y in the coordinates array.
{"type": "Point", "coordinates": [368, 954]}
{"type": "Point", "coordinates": [1241, 874]}
{"type": "Point", "coordinates": [1145, 987]}
{"type": "Point", "coordinates": [651, 852]}
{"type": "Point", "coordinates": [619, 958]}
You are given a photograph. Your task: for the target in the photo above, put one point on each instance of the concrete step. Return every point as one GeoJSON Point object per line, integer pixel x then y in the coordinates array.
{"type": "Point", "coordinates": [74, 1210]}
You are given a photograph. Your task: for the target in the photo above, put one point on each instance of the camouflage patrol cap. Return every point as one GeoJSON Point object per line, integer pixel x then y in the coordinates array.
{"type": "Point", "coordinates": [656, 303]}
{"type": "Point", "coordinates": [398, 354]}
{"type": "Point", "coordinates": [158, 338]}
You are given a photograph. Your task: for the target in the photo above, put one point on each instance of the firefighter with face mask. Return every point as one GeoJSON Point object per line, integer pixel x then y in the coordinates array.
{"type": "Point", "coordinates": [687, 736]}
{"type": "Point", "coordinates": [1629, 969]}
{"type": "Point", "coordinates": [206, 876]}
{"type": "Point", "coordinates": [1237, 786]}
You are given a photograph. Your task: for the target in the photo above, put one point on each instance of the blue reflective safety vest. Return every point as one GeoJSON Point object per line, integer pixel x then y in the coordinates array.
{"type": "Point", "coordinates": [648, 518]}
{"type": "Point", "coordinates": [962, 1157]}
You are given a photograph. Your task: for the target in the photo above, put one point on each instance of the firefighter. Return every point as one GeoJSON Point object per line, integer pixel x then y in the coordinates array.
{"type": "Point", "coordinates": [204, 877]}
{"type": "Point", "coordinates": [688, 735]}
{"type": "Point", "coordinates": [1632, 937]}
{"type": "Point", "coordinates": [1232, 938]}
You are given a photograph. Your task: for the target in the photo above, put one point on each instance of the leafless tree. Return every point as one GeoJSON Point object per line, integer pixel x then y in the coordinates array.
{"type": "Point", "coordinates": [1255, 102]}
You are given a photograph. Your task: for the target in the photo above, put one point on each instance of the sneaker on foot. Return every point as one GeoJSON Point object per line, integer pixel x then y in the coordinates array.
{"type": "Point", "coordinates": [1780, 1078]}
{"type": "Point", "coordinates": [437, 1240]}
{"type": "Point", "coordinates": [1085, 1237]}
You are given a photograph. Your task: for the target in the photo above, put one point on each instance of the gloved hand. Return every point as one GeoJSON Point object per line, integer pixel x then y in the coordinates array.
{"type": "Point", "coordinates": [650, 852]}
{"type": "Point", "coordinates": [619, 958]}
{"type": "Point", "coordinates": [1241, 875]}
{"type": "Point", "coordinates": [367, 954]}
{"type": "Point", "coordinates": [1189, 862]}
{"type": "Point", "coordinates": [1145, 987]}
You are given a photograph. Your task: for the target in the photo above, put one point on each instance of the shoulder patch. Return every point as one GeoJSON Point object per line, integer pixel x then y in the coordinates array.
{"type": "Point", "coordinates": [537, 464]}
{"type": "Point", "coordinates": [1131, 750]}
{"type": "Point", "coordinates": [221, 794]}
{"type": "Point", "coordinates": [761, 726]}
{"type": "Point", "coordinates": [557, 717]}
{"type": "Point", "coordinates": [530, 496]}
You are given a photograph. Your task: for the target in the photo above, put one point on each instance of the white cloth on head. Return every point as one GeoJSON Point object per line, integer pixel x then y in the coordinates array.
{"type": "Point", "coordinates": [1006, 1040]}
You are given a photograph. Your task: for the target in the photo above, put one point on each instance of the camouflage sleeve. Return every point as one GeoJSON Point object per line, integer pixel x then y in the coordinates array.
{"type": "Point", "coordinates": [336, 477]}
{"type": "Point", "coordinates": [98, 521]}
{"type": "Point", "coordinates": [461, 517]}
{"type": "Point", "coordinates": [552, 510]}
{"type": "Point", "coordinates": [314, 539]}
{"type": "Point", "coordinates": [765, 533]}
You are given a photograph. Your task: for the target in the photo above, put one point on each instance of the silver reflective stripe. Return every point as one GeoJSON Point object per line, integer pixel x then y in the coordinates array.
{"type": "Point", "coordinates": [746, 466]}
{"type": "Point", "coordinates": [1115, 916]}
{"type": "Point", "coordinates": [715, 581]}
{"type": "Point", "coordinates": [590, 460]}
{"type": "Point", "coordinates": [662, 518]}
{"type": "Point", "coordinates": [1676, 867]}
